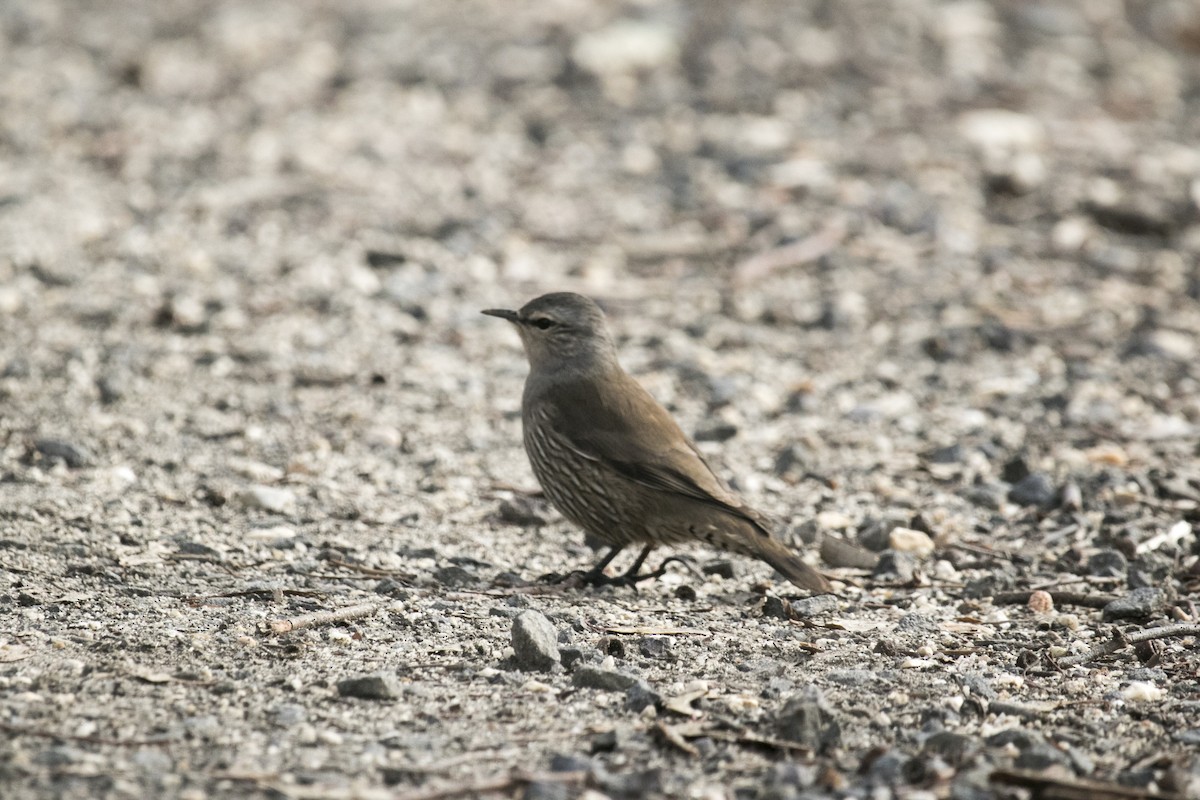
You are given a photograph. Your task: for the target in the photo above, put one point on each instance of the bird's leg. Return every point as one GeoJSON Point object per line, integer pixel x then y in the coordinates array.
{"type": "Point", "coordinates": [630, 575]}
{"type": "Point", "coordinates": [662, 568]}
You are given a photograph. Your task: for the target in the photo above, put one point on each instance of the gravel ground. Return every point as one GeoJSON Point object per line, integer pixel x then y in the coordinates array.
{"type": "Point", "coordinates": [920, 276]}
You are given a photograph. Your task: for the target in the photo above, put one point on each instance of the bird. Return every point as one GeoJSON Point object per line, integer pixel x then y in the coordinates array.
{"type": "Point", "coordinates": [612, 459]}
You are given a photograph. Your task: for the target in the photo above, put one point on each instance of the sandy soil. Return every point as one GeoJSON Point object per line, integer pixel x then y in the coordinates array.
{"type": "Point", "coordinates": [920, 276]}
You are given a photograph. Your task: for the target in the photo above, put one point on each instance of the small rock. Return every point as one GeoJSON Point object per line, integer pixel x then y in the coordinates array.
{"type": "Point", "coordinates": [1108, 564]}
{"type": "Point", "coordinates": [604, 742]}
{"type": "Point", "coordinates": [654, 646]}
{"type": "Point", "coordinates": [522, 511]}
{"type": "Point", "coordinates": [1035, 489]}
{"type": "Point", "coordinates": [268, 498]}
{"type": "Point", "coordinates": [988, 495]}
{"type": "Point", "coordinates": [1072, 497]}
{"type": "Point", "coordinates": [384, 686]}
{"type": "Point", "coordinates": [907, 540]}
{"type": "Point", "coordinates": [1040, 755]}
{"type": "Point", "coordinates": [914, 622]}
{"type": "Point", "coordinates": [288, 714]}
{"type": "Point", "coordinates": [1139, 603]}
{"type": "Point", "coordinates": [570, 656]}
{"type": "Point", "coordinates": [724, 569]}
{"type": "Point", "coordinates": [626, 47]}
{"type": "Point", "coordinates": [73, 455]}
{"type": "Point", "coordinates": [814, 606]}
{"type": "Point", "coordinates": [716, 433]}
{"type": "Point", "coordinates": [534, 641]}
{"type": "Point", "coordinates": [887, 768]}
{"type": "Point", "coordinates": [776, 608]}
{"type": "Point", "coordinates": [548, 790]}
{"type": "Point", "coordinates": [453, 575]}
{"type": "Point", "coordinates": [954, 454]}
{"type": "Point", "coordinates": [807, 720]}
{"type": "Point", "coordinates": [590, 677]}
{"type": "Point", "coordinates": [641, 695]}
{"type": "Point", "coordinates": [837, 552]}
{"type": "Point", "coordinates": [953, 748]}
{"type": "Point", "coordinates": [897, 566]}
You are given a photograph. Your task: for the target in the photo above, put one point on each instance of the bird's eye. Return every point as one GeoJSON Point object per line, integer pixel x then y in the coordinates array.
{"type": "Point", "coordinates": [543, 324]}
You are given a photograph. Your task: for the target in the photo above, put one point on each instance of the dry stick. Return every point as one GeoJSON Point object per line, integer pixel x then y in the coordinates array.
{"type": "Point", "coordinates": [17, 730]}
{"type": "Point", "coordinates": [1045, 787]}
{"type": "Point", "coordinates": [1120, 640]}
{"type": "Point", "coordinates": [322, 618]}
{"type": "Point", "coordinates": [1060, 599]}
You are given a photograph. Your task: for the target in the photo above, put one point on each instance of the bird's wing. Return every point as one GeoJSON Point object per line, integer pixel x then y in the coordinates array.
{"type": "Point", "coordinates": [654, 452]}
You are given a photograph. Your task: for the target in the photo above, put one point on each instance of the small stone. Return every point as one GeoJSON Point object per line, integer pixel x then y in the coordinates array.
{"type": "Point", "coordinates": [288, 714]}
{"type": "Point", "coordinates": [776, 607]}
{"type": "Point", "coordinates": [953, 748]}
{"type": "Point", "coordinates": [1035, 489]}
{"type": "Point", "coordinates": [534, 641]}
{"type": "Point", "coordinates": [723, 569]}
{"type": "Point", "coordinates": [1108, 564]}
{"type": "Point", "coordinates": [654, 646]}
{"type": "Point", "coordinates": [383, 686]}
{"type": "Point", "coordinates": [523, 511]}
{"type": "Point", "coordinates": [716, 433]}
{"type": "Point", "coordinates": [814, 606]}
{"type": "Point", "coordinates": [897, 566]}
{"type": "Point", "coordinates": [914, 622]}
{"type": "Point", "coordinates": [268, 498]}
{"type": "Point", "coordinates": [73, 455]}
{"type": "Point", "coordinates": [1139, 603]}
{"type": "Point", "coordinates": [988, 495]}
{"type": "Point", "coordinates": [570, 656]}
{"type": "Point", "coordinates": [640, 696]}
{"type": "Point", "coordinates": [907, 540]}
{"type": "Point", "coordinates": [807, 720]}
{"type": "Point", "coordinates": [1072, 497]}
{"type": "Point", "coordinates": [1041, 602]}
{"type": "Point", "coordinates": [453, 575]}
{"type": "Point", "coordinates": [604, 742]}
{"type": "Point", "coordinates": [837, 552]}
{"type": "Point", "coordinates": [954, 454]}
{"type": "Point", "coordinates": [590, 677]}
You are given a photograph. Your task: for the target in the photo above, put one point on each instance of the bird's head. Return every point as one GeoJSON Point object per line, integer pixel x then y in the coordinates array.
{"type": "Point", "coordinates": [562, 331]}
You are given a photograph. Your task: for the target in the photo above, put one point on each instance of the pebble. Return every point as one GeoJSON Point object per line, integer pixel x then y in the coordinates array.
{"type": "Point", "coordinates": [534, 642]}
{"type": "Point", "coordinates": [907, 540]}
{"type": "Point", "coordinates": [814, 606]}
{"type": "Point", "coordinates": [1035, 489]}
{"type": "Point", "coordinates": [268, 498]}
{"type": "Point", "coordinates": [383, 686]}
{"type": "Point", "coordinates": [641, 695]}
{"type": "Point", "coordinates": [1108, 564]}
{"type": "Point", "coordinates": [75, 456]}
{"type": "Point", "coordinates": [626, 46]}
{"type": "Point", "coordinates": [808, 720]}
{"type": "Point", "coordinates": [523, 511]}
{"type": "Point", "coordinates": [1138, 604]}
{"type": "Point", "coordinates": [837, 552]}
{"type": "Point", "coordinates": [895, 565]}
{"type": "Point", "coordinates": [654, 646]}
{"type": "Point", "coordinates": [590, 677]}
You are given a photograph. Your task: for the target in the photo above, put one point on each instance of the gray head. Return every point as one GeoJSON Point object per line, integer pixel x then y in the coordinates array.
{"type": "Point", "coordinates": [562, 331]}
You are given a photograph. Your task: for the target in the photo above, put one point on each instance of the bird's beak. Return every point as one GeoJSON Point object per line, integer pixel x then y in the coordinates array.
{"type": "Point", "coordinates": [503, 313]}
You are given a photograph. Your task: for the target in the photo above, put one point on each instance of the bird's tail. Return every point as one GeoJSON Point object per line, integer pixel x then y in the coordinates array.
{"type": "Point", "coordinates": [783, 559]}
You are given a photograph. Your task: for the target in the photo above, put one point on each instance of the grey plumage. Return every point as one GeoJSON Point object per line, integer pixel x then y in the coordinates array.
{"type": "Point", "coordinates": [612, 459]}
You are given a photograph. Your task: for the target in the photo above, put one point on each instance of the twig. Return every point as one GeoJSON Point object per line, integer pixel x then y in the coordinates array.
{"type": "Point", "coordinates": [17, 730]}
{"type": "Point", "coordinates": [1120, 640]}
{"type": "Point", "coordinates": [1046, 787]}
{"type": "Point", "coordinates": [321, 618]}
{"type": "Point", "coordinates": [674, 738]}
{"type": "Point", "coordinates": [808, 249]}
{"type": "Point", "coordinates": [1084, 599]}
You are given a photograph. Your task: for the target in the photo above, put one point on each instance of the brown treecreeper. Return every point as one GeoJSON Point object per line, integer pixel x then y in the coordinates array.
{"type": "Point", "coordinates": [612, 459]}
